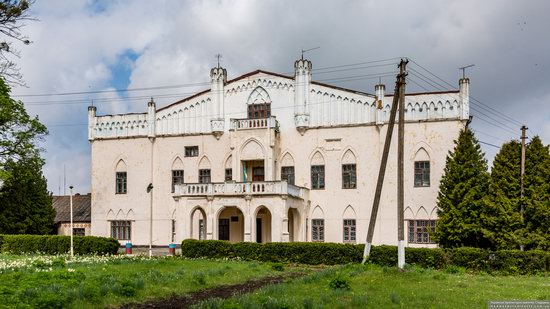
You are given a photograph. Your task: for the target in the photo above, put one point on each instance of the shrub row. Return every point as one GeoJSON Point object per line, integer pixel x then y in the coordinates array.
{"type": "Point", "coordinates": [505, 261]}
{"type": "Point", "coordinates": [57, 244]}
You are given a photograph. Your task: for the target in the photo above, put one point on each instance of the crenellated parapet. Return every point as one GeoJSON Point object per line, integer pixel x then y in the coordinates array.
{"type": "Point", "coordinates": [118, 126]}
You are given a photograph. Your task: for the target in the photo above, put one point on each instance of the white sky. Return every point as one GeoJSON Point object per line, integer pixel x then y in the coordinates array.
{"type": "Point", "coordinates": [100, 45]}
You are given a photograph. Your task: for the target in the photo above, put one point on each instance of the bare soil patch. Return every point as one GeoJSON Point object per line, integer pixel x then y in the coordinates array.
{"type": "Point", "coordinates": [223, 292]}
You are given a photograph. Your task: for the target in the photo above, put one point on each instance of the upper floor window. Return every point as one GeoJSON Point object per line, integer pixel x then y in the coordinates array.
{"type": "Point", "coordinates": [121, 230]}
{"type": "Point", "coordinates": [256, 111]}
{"type": "Point", "coordinates": [120, 187]}
{"type": "Point", "coordinates": [287, 173]}
{"type": "Point", "coordinates": [349, 176]}
{"type": "Point", "coordinates": [422, 173]}
{"type": "Point", "coordinates": [421, 230]}
{"type": "Point", "coordinates": [317, 177]}
{"type": "Point", "coordinates": [204, 176]}
{"type": "Point", "coordinates": [228, 174]}
{"type": "Point", "coordinates": [192, 151]}
{"type": "Point", "coordinates": [349, 230]}
{"type": "Point", "coordinates": [317, 230]}
{"type": "Point", "coordinates": [177, 179]}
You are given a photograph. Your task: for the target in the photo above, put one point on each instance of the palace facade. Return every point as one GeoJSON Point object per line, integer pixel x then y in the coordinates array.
{"type": "Point", "coordinates": [266, 157]}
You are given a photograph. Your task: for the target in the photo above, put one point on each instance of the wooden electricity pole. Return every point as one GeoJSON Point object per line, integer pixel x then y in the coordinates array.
{"type": "Point", "coordinates": [523, 138]}
{"type": "Point", "coordinates": [384, 161]}
{"type": "Point", "coordinates": [400, 175]}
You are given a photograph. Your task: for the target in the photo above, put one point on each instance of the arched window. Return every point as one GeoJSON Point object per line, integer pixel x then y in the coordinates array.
{"type": "Point", "coordinates": [421, 168]}
{"type": "Point", "coordinates": [259, 104]}
{"type": "Point", "coordinates": [121, 178]}
{"type": "Point", "coordinates": [317, 172]}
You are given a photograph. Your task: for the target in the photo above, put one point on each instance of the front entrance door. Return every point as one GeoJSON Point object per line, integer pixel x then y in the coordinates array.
{"type": "Point", "coordinates": [223, 229]}
{"type": "Point", "coordinates": [253, 170]}
{"type": "Point", "coordinates": [258, 229]}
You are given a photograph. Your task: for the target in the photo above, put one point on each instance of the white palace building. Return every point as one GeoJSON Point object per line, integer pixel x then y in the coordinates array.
{"type": "Point", "coordinates": [266, 157]}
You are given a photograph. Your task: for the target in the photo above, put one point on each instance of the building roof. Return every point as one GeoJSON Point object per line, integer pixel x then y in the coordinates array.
{"type": "Point", "coordinates": [82, 208]}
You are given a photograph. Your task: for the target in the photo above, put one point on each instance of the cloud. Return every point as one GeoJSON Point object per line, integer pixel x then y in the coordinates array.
{"type": "Point", "coordinates": [100, 45]}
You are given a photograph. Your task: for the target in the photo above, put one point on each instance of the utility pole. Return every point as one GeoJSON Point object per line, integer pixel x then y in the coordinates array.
{"type": "Point", "coordinates": [400, 164]}
{"type": "Point", "coordinates": [523, 138]}
{"type": "Point", "coordinates": [383, 163]}
{"type": "Point", "coordinates": [72, 228]}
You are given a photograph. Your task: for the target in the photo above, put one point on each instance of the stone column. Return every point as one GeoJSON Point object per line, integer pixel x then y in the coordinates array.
{"type": "Point", "coordinates": [247, 219]}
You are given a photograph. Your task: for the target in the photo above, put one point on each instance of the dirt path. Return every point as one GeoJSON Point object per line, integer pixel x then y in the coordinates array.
{"type": "Point", "coordinates": [224, 291]}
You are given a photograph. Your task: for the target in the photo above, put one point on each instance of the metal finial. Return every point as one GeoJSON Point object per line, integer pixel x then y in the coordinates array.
{"type": "Point", "coordinates": [464, 69]}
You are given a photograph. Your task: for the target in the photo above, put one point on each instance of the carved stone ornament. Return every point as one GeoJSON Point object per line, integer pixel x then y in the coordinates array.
{"type": "Point", "coordinates": [217, 127]}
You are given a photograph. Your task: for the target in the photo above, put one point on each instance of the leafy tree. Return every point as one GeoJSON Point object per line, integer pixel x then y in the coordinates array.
{"type": "Point", "coordinates": [25, 203]}
{"type": "Point", "coordinates": [502, 220]}
{"type": "Point", "coordinates": [13, 13]}
{"type": "Point", "coordinates": [537, 194]}
{"type": "Point", "coordinates": [460, 201]}
{"type": "Point", "coordinates": [19, 133]}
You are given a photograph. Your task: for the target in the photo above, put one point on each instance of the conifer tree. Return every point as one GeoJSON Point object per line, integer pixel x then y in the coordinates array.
{"type": "Point", "coordinates": [25, 203]}
{"type": "Point", "coordinates": [502, 220]}
{"type": "Point", "coordinates": [461, 195]}
{"type": "Point", "coordinates": [537, 195]}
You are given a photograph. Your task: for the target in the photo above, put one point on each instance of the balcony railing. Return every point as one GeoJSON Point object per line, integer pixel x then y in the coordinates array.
{"type": "Point", "coordinates": [241, 188]}
{"type": "Point", "coordinates": [260, 123]}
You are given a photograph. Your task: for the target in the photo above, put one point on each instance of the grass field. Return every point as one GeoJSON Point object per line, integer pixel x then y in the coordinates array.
{"type": "Point", "coordinates": [51, 282]}
{"type": "Point", "coordinates": [98, 282]}
{"type": "Point", "coordinates": [357, 286]}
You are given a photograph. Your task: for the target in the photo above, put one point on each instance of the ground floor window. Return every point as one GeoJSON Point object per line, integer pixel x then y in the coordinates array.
{"type": "Point", "coordinates": [202, 232]}
{"type": "Point", "coordinates": [349, 230]}
{"type": "Point", "coordinates": [121, 230]}
{"type": "Point", "coordinates": [79, 231]}
{"type": "Point", "coordinates": [173, 230]}
{"type": "Point", "coordinates": [317, 229]}
{"type": "Point", "coordinates": [420, 231]}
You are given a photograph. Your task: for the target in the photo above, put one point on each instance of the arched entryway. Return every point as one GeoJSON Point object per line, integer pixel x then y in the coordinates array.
{"type": "Point", "coordinates": [231, 224]}
{"type": "Point", "coordinates": [198, 223]}
{"type": "Point", "coordinates": [262, 225]}
{"type": "Point", "coordinates": [294, 225]}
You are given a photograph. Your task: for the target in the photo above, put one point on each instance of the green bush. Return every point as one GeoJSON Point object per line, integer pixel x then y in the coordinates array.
{"type": "Point", "coordinates": [56, 244]}
{"type": "Point", "coordinates": [505, 261]}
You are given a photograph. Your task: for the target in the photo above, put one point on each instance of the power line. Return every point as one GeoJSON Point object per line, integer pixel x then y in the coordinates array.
{"type": "Point", "coordinates": [489, 144]}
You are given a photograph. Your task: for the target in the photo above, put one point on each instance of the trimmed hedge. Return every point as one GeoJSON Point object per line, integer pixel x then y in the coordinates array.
{"type": "Point", "coordinates": [57, 244]}
{"type": "Point", "coordinates": [504, 262]}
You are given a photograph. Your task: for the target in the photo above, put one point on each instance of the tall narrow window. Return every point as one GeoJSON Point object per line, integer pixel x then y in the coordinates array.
{"type": "Point", "coordinates": [173, 230]}
{"type": "Point", "coordinates": [422, 173]}
{"type": "Point", "coordinates": [204, 176]}
{"type": "Point", "coordinates": [317, 177]}
{"type": "Point", "coordinates": [318, 230]}
{"type": "Point", "coordinates": [420, 231]}
{"type": "Point", "coordinates": [287, 173]}
{"type": "Point", "coordinates": [201, 230]}
{"type": "Point", "coordinates": [228, 174]}
{"type": "Point", "coordinates": [121, 230]}
{"type": "Point", "coordinates": [349, 176]}
{"type": "Point", "coordinates": [177, 179]}
{"type": "Point", "coordinates": [121, 187]}
{"type": "Point", "coordinates": [349, 230]}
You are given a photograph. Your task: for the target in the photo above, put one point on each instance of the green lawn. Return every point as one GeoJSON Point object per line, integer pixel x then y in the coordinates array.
{"type": "Point", "coordinates": [382, 287]}
{"type": "Point", "coordinates": [50, 282]}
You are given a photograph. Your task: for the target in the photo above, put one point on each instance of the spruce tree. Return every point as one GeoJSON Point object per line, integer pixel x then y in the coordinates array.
{"type": "Point", "coordinates": [25, 203]}
{"type": "Point", "coordinates": [461, 195]}
{"type": "Point", "coordinates": [537, 195]}
{"type": "Point", "coordinates": [502, 220]}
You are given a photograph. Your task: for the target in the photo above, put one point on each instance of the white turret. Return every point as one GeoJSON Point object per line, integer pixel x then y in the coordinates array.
{"type": "Point", "coordinates": [380, 91]}
{"type": "Point", "coordinates": [91, 122]}
{"type": "Point", "coordinates": [151, 118]}
{"type": "Point", "coordinates": [218, 77]}
{"type": "Point", "coordinates": [464, 86]}
{"type": "Point", "coordinates": [302, 83]}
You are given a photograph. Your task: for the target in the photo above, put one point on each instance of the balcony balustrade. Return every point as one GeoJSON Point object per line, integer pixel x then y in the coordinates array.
{"type": "Point", "coordinates": [259, 123]}
{"type": "Point", "coordinates": [241, 188]}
